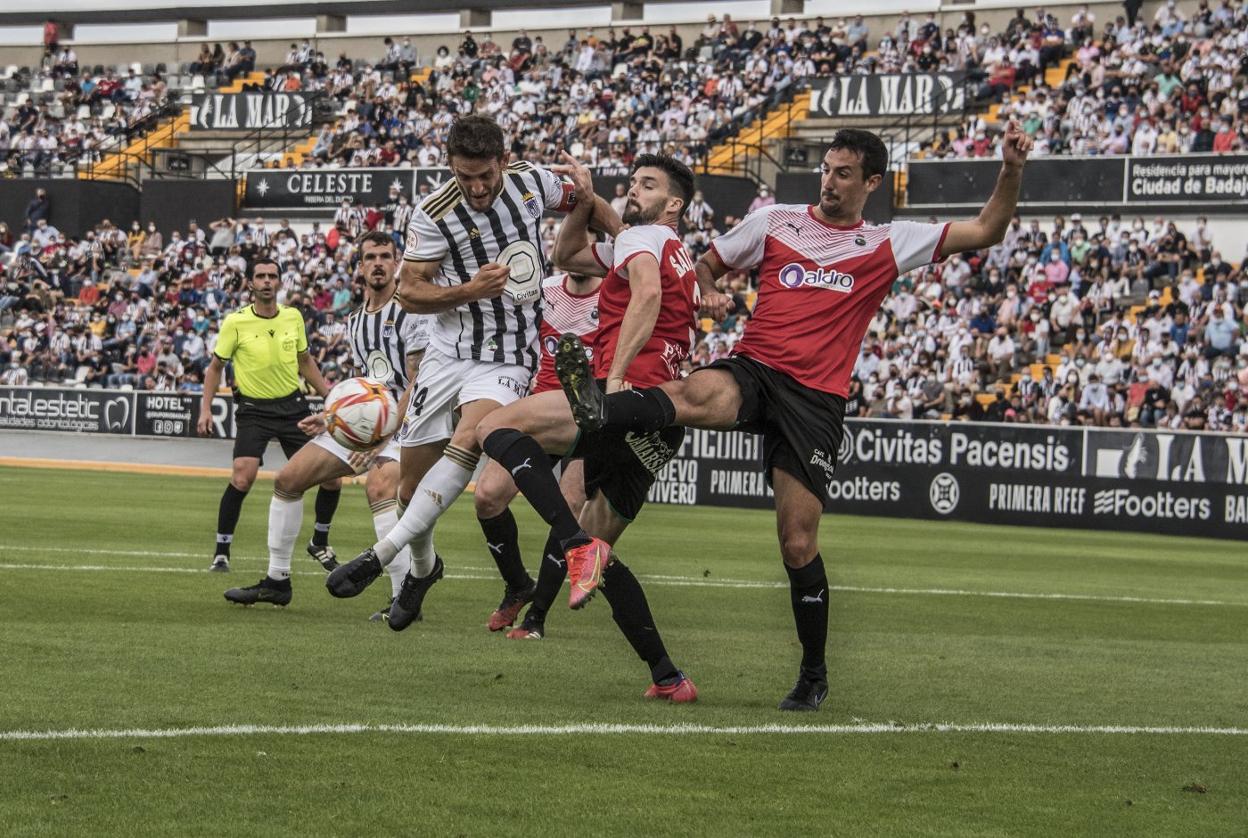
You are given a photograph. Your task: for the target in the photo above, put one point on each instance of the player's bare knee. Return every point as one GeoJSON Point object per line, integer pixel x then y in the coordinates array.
{"type": "Point", "coordinates": [488, 504]}
{"type": "Point", "coordinates": [242, 478]}
{"type": "Point", "coordinates": [286, 486]}
{"type": "Point", "coordinates": [798, 546]}
{"type": "Point", "coordinates": [334, 485]}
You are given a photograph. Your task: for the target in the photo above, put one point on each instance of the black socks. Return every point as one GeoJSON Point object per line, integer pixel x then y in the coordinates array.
{"type": "Point", "coordinates": [227, 518]}
{"type": "Point", "coordinates": [503, 541]}
{"type": "Point", "coordinates": [632, 614]}
{"type": "Point", "coordinates": [550, 576]}
{"type": "Point", "coordinates": [326, 505]}
{"type": "Point", "coordinates": [642, 411]}
{"type": "Point", "coordinates": [808, 591]}
{"type": "Point", "coordinates": [530, 468]}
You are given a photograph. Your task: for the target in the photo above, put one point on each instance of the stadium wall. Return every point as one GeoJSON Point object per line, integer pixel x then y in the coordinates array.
{"type": "Point", "coordinates": [77, 205]}
{"type": "Point", "coordinates": [1172, 482]}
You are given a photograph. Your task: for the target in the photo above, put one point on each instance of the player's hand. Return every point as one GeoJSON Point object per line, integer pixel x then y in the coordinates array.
{"type": "Point", "coordinates": [1016, 145]}
{"type": "Point", "coordinates": [716, 305]}
{"type": "Point", "coordinates": [313, 425]}
{"type": "Point", "coordinates": [490, 280]}
{"type": "Point", "coordinates": [615, 385]}
{"type": "Point", "coordinates": [579, 173]}
{"type": "Point", "coordinates": [361, 461]}
{"type": "Point", "coordinates": [204, 425]}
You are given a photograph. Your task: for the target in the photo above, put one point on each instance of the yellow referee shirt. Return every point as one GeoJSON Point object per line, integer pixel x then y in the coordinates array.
{"type": "Point", "coordinates": [265, 350]}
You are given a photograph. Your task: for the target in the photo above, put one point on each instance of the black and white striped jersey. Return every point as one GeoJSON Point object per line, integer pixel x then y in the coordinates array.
{"type": "Point", "coordinates": [381, 340]}
{"type": "Point", "coordinates": [501, 329]}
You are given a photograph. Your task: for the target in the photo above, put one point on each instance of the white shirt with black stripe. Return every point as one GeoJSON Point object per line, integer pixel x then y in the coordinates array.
{"type": "Point", "coordinates": [381, 340]}
{"type": "Point", "coordinates": [444, 228]}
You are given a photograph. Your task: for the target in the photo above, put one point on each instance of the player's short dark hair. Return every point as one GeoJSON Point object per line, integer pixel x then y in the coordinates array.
{"type": "Point", "coordinates": [378, 237]}
{"type": "Point", "coordinates": [477, 138]}
{"type": "Point", "coordinates": [678, 174]}
{"type": "Point", "coordinates": [265, 260]}
{"type": "Point", "coordinates": [868, 146]}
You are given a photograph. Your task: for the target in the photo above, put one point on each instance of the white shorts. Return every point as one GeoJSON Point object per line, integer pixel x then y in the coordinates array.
{"type": "Point", "coordinates": [389, 451]}
{"type": "Point", "coordinates": [445, 383]}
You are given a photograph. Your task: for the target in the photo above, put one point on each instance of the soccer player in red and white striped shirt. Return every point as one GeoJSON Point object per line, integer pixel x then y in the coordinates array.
{"type": "Point", "coordinates": [823, 272]}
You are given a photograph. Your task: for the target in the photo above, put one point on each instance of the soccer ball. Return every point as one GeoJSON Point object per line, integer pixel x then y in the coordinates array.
{"type": "Point", "coordinates": [360, 412]}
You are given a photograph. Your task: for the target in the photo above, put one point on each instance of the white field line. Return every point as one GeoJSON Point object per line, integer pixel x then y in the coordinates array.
{"type": "Point", "coordinates": [488, 574]}
{"type": "Point", "coordinates": [614, 730]}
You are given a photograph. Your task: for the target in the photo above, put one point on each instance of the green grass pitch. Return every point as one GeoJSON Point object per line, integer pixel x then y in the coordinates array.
{"type": "Point", "coordinates": [111, 623]}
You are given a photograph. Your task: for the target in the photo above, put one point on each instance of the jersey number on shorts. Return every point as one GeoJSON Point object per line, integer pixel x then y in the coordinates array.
{"type": "Point", "coordinates": [418, 403]}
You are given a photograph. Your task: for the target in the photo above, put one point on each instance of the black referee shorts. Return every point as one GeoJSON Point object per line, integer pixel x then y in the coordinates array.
{"type": "Point", "coordinates": [801, 428]}
{"type": "Point", "coordinates": [259, 421]}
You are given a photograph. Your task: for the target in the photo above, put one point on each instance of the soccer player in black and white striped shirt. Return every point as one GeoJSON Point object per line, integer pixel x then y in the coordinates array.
{"type": "Point", "coordinates": [386, 345]}
{"type": "Point", "coordinates": [475, 258]}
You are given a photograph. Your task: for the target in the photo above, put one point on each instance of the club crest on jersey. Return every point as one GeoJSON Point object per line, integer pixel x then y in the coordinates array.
{"type": "Point", "coordinates": [795, 275]}
{"type": "Point", "coordinates": [387, 329]}
{"type": "Point", "coordinates": [531, 204]}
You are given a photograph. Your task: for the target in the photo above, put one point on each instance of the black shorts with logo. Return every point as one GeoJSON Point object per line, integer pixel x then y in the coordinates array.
{"type": "Point", "coordinates": [260, 421]}
{"type": "Point", "coordinates": [802, 428]}
{"type": "Point", "coordinates": [622, 465]}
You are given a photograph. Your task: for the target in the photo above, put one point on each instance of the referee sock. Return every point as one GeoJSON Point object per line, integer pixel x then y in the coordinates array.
{"type": "Point", "coordinates": [503, 540]}
{"type": "Point", "coordinates": [529, 466]}
{"type": "Point", "coordinates": [438, 489]}
{"type": "Point", "coordinates": [285, 518]}
{"type": "Point", "coordinates": [326, 506]}
{"type": "Point", "coordinates": [227, 518]}
{"type": "Point", "coordinates": [385, 516]}
{"type": "Point", "coordinates": [550, 576]}
{"type": "Point", "coordinates": [808, 591]}
{"type": "Point", "coordinates": [641, 411]}
{"type": "Point", "coordinates": [632, 614]}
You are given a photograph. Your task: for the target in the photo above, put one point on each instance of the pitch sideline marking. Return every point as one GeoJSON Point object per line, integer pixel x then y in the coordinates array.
{"type": "Point", "coordinates": [612, 730]}
{"type": "Point", "coordinates": [668, 581]}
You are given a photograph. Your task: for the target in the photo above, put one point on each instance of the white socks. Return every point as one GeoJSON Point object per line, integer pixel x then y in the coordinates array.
{"type": "Point", "coordinates": [285, 518]}
{"type": "Point", "coordinates": [385, 517]}
{"type": "Point", "coordinates": [440, 487]}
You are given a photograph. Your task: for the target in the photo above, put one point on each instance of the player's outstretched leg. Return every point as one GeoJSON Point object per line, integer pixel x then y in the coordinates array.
{"type": "Point", "coordinates": [438, 489]}
{"type": "Point", "coordinates": [640, 411]}
{"type": "Point", "coordinates": [631, 613]}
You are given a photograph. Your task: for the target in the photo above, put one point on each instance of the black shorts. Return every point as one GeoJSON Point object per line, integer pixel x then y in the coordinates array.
{"type": "Point", "coordinates": [802, 428]}
{"type": "Point", "coordinates": [260, 421]}
{"type": "Point", "coordinates": [623, 465]}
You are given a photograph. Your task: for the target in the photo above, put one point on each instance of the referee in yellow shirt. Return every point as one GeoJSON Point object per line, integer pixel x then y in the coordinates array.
{"type": "Point", "coordinates": [268, 346]}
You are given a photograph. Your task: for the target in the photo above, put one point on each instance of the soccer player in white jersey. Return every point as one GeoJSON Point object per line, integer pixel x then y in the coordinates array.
{"type": "Point", "coordinates": [823, 273]}
{"type": "Point", "coordinates": [386, 345]}
{"type": "Point", "coordinates": [475, 258]}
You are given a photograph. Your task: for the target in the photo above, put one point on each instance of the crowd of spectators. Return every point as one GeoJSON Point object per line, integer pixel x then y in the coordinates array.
{"type": "Point", "coordinates": [1105, 322]}
{"type": "Point", "coordinates": [1172, 85]}
{"type": "Point", "coordinates": [67, 115]}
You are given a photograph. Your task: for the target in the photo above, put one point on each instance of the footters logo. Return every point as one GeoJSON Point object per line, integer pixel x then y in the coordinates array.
{"type": "Point", "coordinates": [944, 493]}
{"type": "Point", "coordinates": [1124, 502]}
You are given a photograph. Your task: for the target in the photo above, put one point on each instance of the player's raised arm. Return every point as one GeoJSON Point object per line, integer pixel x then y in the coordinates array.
{"type": "Point", "coordinates": [989, 228]}
{"type": "Point", "coordinates": [574, 249]}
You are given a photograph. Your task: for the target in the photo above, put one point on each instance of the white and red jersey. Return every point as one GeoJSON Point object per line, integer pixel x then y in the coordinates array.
{"type": "Point", "coordinates": [819, 285]}
{"type": "Point", "coordinates": [670, 342]}
{"type": "Point", "coordinates": [563, 311]}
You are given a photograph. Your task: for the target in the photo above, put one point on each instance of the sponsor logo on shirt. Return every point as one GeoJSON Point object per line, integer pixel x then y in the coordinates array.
{"type": "Point", "coordinates": [796, 275]}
